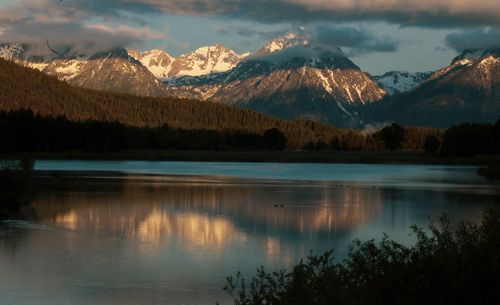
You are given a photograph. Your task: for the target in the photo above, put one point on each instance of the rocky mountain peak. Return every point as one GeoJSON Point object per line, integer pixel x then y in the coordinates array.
{"type": "Point", "coordinates": [121, 53]}
{"type": "Point", "coordinates": [205, 60]}
{"type": "Point", "coordinates": [156, 61]}
{"type": "Point", "coordinates": [11, 51]}
{"type": "Point", "coordinates": [472, 55]}
{"type": "Point", "coordinates": [287, 40]}
{"type": "Point", "coordinates": [395, 82]}
{"type": "Point", "coordinates": [306, 56]}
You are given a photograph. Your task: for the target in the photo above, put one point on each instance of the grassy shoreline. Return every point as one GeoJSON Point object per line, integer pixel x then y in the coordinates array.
{"type": "Point", "coordinates": [385, 157]}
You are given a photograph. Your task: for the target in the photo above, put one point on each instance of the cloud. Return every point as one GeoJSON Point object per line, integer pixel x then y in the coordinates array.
{"type": "Point", "coordinates": [359, 41]}
{"type": "Point", "coordinates": [475, 39]}
{"type": "Point", "coordinates": [248, 32]}
{"type": "Point", "coordinates": [95, 23]}
{"type": "Point", "coordinates": [67, 27]}
{"type": "Point", "coordinates": [429, 13]}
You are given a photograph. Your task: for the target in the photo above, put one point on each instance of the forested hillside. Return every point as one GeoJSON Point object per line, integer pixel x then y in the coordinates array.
{"type": "Point", "coordinates": [167, 123]}
{"type": "Point", "coordinates": [24, 88]}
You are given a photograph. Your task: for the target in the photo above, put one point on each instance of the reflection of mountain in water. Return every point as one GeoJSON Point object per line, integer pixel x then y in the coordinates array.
{"type": "Point", "coordinates": [211, 215]}
{"type": "Point", "coordinates": [102, 242]}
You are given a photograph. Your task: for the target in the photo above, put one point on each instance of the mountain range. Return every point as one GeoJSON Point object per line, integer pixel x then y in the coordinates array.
{"type": "Point", "coordinates": [468, 90]}
{"type": "Point", "coordinates": [290, 78]}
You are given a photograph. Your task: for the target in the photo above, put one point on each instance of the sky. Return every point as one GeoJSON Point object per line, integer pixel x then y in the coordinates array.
{"type": "Point", "coordinates": [378, 35]}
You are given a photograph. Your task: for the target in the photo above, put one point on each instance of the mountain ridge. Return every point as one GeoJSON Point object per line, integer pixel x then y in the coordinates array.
{"type": "Point", "coordinates": [468, 90]}
{"type": "Point", "coordinates": [290, 77]}
{"type": "Point", "coordinates": [293, 80]}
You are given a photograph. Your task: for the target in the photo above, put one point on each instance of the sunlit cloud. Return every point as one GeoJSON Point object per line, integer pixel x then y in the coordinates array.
{"type": "Point", "coordinates": [98, 25]}
{"type": "Point", "coordinates": [67, 26]}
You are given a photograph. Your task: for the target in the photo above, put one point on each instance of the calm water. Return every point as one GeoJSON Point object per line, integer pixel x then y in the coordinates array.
{"type": "Point", "coordinates": [174, 239]}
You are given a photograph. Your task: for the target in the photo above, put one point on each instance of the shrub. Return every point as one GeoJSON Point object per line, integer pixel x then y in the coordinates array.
{"type": "Point", "coordinates": [448, 265]}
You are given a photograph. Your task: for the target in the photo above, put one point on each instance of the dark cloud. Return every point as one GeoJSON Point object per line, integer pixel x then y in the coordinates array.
{"type": "Point", "coordinates": [68, 26]}
{"type": "Point", "coordinates": [96, 22]}
{"type": "Point", "coordinates": [429, 13]}
{"type": "Point", "coordinates": [359, 41]}
{"type": "Point", "coordinates": [476, 39]}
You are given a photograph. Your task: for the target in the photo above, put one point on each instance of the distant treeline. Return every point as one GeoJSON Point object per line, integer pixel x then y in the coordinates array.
{"type": "Point", "coordinates": [24, 131]}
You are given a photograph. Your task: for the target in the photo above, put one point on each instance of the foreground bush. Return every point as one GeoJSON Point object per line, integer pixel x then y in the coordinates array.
{"type": "Point", "coordinates": [448, 265]}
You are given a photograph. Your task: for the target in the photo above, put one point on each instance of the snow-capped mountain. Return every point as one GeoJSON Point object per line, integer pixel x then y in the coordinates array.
{"type": "Point", "coordinates": [156, 61]}
{"type": "Point", "coordinates": [468, 90]}
{"type": "Point", "coordinates": [290, 39]}
{"type": "Point", "coordinates": [292, 79]}
{"type": "Point", "coordinates": [395, 82]}
{"type": "Point", "coordinates": [205, 61]}
{"type": "Point", "coordinates": [466, 58]}
{"type": "Point", "coordinates": [11, 51]}
{"type": "Point", "coordinates": [18, 52]}
{"type": "Point", "coordinates": [113, 70]}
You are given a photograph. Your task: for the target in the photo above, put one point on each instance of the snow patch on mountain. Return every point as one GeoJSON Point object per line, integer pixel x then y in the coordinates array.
{"type": "Point", "coordinates": [288, 40]}
{"type": "Point", "coordinates": [68, 70]}
{"type": "Point", "coordinates": [204, 61]}
{"type": "Point", "coordinates": [40, 66]}
{"type": "Point", "coordinates": [10, 51]}
{"type": "Point", "coordinates": [467, 58]}
{"type": "Point", "coordinates": [156, 61]}
{"type": "Point", "coordinates": [398, 82]}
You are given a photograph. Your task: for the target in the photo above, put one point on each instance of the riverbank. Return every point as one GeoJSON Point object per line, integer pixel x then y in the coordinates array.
{"type": "Point", "coordinates": [328, 176]}
{"type": "Point", "coordinates": [384, 157]}
{"type": "Point", "coordinates": [490, 172]}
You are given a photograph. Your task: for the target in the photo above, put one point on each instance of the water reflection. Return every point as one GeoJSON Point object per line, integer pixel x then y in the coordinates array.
{"type": "Point", "coordinates": [212, 216]}
{"type": "Point", "coordinates": [192, 228]}
{"type": "Point", "coordinates": [137, 242]}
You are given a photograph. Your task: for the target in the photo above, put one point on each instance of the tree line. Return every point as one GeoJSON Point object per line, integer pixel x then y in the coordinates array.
{"type": "Point", "coordinates": [42, 113]}
{"type": "Point", "coordinates": [24, 131]}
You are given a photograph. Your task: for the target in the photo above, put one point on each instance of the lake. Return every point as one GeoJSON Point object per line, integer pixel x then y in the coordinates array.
{"type": "Point", "coordinates": [170, 232]}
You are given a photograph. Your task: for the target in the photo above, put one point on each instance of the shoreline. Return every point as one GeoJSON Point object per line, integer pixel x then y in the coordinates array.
{"type": "Point", "coordinates": [334, 157]}
{"type": "Point", "coordinates": [55, 179]}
